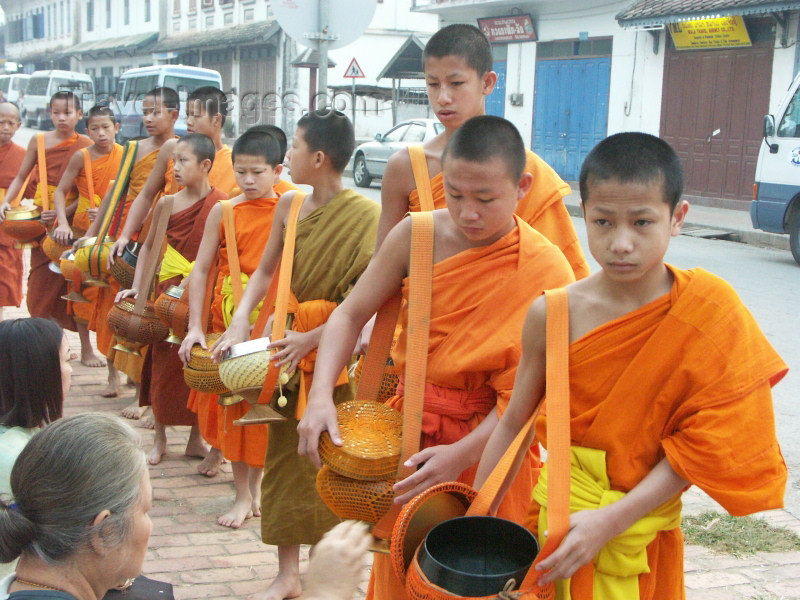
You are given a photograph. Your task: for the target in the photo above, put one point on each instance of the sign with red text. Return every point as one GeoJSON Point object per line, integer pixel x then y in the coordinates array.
{"type": "Point", "coordinates": [513, 28]}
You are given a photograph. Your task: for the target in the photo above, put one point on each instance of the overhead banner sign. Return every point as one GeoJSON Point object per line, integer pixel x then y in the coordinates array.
{"type": "Point", "coordinates": [513, 28]}
{"type": "Point", "coordinates": [723, 32]}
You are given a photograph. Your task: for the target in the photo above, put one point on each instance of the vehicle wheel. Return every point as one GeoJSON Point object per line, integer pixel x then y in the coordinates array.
{"type": "Point", "coordinates": [360, 173]}
{"type": "Point", "coordinates": [794, 236]}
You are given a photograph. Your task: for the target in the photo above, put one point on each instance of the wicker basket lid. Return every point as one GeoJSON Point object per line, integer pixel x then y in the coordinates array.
{"type": "Point", "coordinates": [200, 358]}
{"type": "Point", "coordinates": [371, 441]}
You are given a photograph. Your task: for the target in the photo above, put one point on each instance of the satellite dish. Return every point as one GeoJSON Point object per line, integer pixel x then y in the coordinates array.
{"type": "Point", "coordinates": [348, 19]}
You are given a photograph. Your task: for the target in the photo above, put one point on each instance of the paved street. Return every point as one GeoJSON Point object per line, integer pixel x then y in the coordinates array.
{"type": "Point", "coordinates": [205, 560]}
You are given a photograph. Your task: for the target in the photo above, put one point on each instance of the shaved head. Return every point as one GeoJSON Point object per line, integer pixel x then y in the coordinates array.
{"type": "Point", "coordinates": [8, 109]}
{"type": "Point", "coordinates": [9, 122]}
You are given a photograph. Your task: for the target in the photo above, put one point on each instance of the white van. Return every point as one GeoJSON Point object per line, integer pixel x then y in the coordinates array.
{"type": "Point", "coordinates": [43, 84]}
{"type": "Point", "coordinates": [13, 86]}
{"type": "Point", "coordinates": [776, 192]}
{"type": "Point", "coordinates": [135, 83]}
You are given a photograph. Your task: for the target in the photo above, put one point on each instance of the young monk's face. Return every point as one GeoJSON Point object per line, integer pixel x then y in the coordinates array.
{"type": "Point", "coordinates": [199, 120]}
{"type": "Point", "coordinates": [186, 167]}
{"type": "Point", "coordinates": [456, 91]}
{"type": "Point", "coordinates": [254, 176]}
{"type": "Point", "coordinates": [301, 158]}
{"type": "Point", "coordinates": [481, 197]}
{"type": "Point", "coordinates": [101, 130]}
{"type": "Point", "coordinates": [629, 226]}
{"type": "Point", "coordinates": [64, 116]}
{"type": "Point", "coordinates": [9, 123]}
{"type": "Point", "coordinates": [157, 119]}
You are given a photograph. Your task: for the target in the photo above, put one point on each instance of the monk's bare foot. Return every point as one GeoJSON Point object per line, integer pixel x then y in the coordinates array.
{"type": "Point", "coordinates": [90, 359]}
{"type": "Point", "coordinates": [196, 447]}
{"type": "Point", "coordinates": [255, 507]}
{"type": "Point", "coordinates": [73, 355]}
{"type": "Point", "coordinates": [159, 448]}
{"type": "Point", "coordinates": [148, 421]}
{"type": "Point", "coordinates": [282, 587]}
{"type": "Point", "coordinates": [134, 411]}
{"type": "Point", "coordinates": [236, 515]}
{"type": "Point", "coordinates": [210, 465]}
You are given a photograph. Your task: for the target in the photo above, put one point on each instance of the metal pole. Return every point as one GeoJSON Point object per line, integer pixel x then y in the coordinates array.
{"type": "Point", "coordinates": [322, 87]}
{"type": "Point", "coordinates": [353, 100]}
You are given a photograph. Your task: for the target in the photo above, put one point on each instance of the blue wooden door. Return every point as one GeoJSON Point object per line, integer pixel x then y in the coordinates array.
{"type": "Point", "coordinates": [496, 101]}
{"type": "Point", "coordinates": [570, 112]}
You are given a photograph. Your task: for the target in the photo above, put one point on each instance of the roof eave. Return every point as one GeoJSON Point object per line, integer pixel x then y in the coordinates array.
{"type": "Point", "coordinates": [661, 20]}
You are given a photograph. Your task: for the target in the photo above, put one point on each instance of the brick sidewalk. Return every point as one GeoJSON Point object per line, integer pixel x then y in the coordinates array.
{"type": "Point", "coordinates": [204, 560]}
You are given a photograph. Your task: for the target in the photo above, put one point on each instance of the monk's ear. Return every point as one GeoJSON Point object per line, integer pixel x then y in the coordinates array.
{"type": "Point", "coordinates": [524, 185]}
{"type": "Point", "coordinates": [116, 127]}
{"type": "Point", "coordinates": [206, 165]}
{"type": "Point", "coordinates": [489, 80]}
{"type": "Point", "coordinates": [277, 170]}
{"type": "Point", "coordinates": [679, 217]}
{"type": "Point", "coordinates": [174, 114]}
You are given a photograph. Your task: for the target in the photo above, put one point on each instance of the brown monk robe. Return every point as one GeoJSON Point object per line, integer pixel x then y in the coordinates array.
{"type": "Point", "coordinates": [11, 157]}
{"type": "Point", "coordinates": [45, 287]}
{"type": "Point", "coordinates": [162, 384]}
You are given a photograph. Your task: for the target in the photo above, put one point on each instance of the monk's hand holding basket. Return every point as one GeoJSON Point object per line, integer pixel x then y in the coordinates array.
{"type": "Point", "coordinates": [48, 217]}
{"type": "Point", "coordinates": [237, 332]}
{"type": "Point", "coordinates": [193, 337]}
{"type": "Point", "coordinates": [62, 234]}
{"type": "Point", "coordinates": [133, 292]}
{"type": "Point", "coordinates": [116, 249]}
{"type": "Point", "coordinates": [3, 208]}
{"type": "Point", "coordinates": [320, 415]}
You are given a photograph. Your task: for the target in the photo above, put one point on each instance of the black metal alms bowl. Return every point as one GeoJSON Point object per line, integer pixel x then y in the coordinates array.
{"type": "Point", "coordinates": [476, 556]}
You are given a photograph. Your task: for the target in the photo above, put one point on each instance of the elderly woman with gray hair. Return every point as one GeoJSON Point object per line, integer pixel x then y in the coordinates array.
{"type": "Point", "coordinates": [79, 518]}
{"type": "Point", "coordinates": [79, 521]}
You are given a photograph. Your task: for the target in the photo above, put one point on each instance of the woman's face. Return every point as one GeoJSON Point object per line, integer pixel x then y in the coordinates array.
{"type": "Point", "coordinates": [135, 546]}
{"type": "Point", "coordinates": [64, 354]}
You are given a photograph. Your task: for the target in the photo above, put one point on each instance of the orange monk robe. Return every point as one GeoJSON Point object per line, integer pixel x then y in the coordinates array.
{"type": "Point", "coordinates": [687, 376]}
{"type": "Point", "coordinates": [45, 287]}
{"type": "Point", "coordinates": [221, 175]}
{"type": "Point", "coordinates": [104, 169]}
{"type": "Point", "coordinates": [542, 208]}
{"type": "Point", "coordinates": [11, 157]}
{"type": "Point", "coordinates": [479, 301]}
{"type": "Point", "coordinates": [252, 223]}
{"type": "Point", "coordinates": [162, 384]}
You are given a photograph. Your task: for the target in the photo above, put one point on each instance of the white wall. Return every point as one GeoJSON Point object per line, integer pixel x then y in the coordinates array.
{"type": "Point", "coordinates": [520, 75]}
{"type": "Point", "coordinates": [53, 39]}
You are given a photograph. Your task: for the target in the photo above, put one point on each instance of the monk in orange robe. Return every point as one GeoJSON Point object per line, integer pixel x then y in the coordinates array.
{"type": "Point", "coordinates": [259, 158]}
{"type": "Point", "coordinates": [661, 388]}
{"type": "Point", "coordinates": [45, 287]}
{"type": "Point", "coordinates": [160, 112]}
{"type": "Point", "coordinates": [90, 170]}
{"type": "Point", "coordinates": [162, 384]}
{"type": "Point", "coordinates": [488, 266]}
{"type": "Point", "coordinates": [11, 156]}
{"type": "Point", "coordinates": [460, 49]}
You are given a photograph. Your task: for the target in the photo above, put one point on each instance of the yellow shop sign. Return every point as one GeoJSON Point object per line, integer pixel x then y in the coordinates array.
{"type": "Point", "coordinates": [723, 32]}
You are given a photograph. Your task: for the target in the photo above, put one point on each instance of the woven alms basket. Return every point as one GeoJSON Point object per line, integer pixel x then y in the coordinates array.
{"type": "Point", "coordinates": [52, 249]}
{"type": "Point", "coordinates": [207, 382]}
{"type": "Point", "coordinates": [200, 359]}
{"type": "Point", "coordinates": [371, 441]}
{"type": "Point", "coordinates": [124, 266]}
{"type": "Point", "coordinates": [391, 377]}
{"type": "Point", "coordinates": [166, 304]}
{"type": "Point", "coordinates": [140, 329]}
{"type": "Point", "coordinates": [353, 499]}
{"type": "Point", "coordinates": [245, 372]}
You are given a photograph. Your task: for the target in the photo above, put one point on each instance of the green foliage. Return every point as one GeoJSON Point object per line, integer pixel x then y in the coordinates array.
{"type": "Point", "coordinates": [737, 535]}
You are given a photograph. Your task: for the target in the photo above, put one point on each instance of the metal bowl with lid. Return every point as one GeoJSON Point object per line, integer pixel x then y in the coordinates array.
{"type": "Point", "coordinates": [24, 224]}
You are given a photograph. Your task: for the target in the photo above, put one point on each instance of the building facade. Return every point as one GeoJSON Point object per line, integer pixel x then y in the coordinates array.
{"type": "Point", "coordinates": [589, 69]}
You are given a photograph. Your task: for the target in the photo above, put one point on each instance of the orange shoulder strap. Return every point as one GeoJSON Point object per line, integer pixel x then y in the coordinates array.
{"type": "Point", "coordinates": [419, 319]}
{"type": "Point", "coordinates": [15, 201]}
{"type": "Point", "coordinates": [283, 275]}
{"type": "Point", "coordinates": [87, 170]}
{"type": "Point", "coordinates": [421, 177]}
{"type": "Point", "coordinates": [41, 158]}
{"type": "Point", "coordinates": [558, 435]}
{"type": "Point", "coordinates": [232, 251]}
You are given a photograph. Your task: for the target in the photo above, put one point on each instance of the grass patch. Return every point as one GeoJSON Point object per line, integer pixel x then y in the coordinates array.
{"type": "Point", "coordinates": [737, 535]}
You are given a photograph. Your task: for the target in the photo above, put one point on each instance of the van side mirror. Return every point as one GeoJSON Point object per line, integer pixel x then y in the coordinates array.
{"type": "Point", "coordinates": [769, 131]}
{"type": "Point", "coordinates": [378, 137]}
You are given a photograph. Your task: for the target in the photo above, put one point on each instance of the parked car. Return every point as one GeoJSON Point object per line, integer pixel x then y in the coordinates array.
{"type": "Point", "coordinates": [370, 158]}
{"type": "Point", "coordinates": [43, 84]}
{"type": "Point", "coordinates": [13, 86]}
{"type": "Point", "coordinates": [776, 192]}
{"type": "Point", "coordinates": [135, 83]}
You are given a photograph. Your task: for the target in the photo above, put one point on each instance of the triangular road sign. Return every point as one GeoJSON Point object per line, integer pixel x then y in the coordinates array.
{"type": "Point", "coordinates": [354, 70]}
